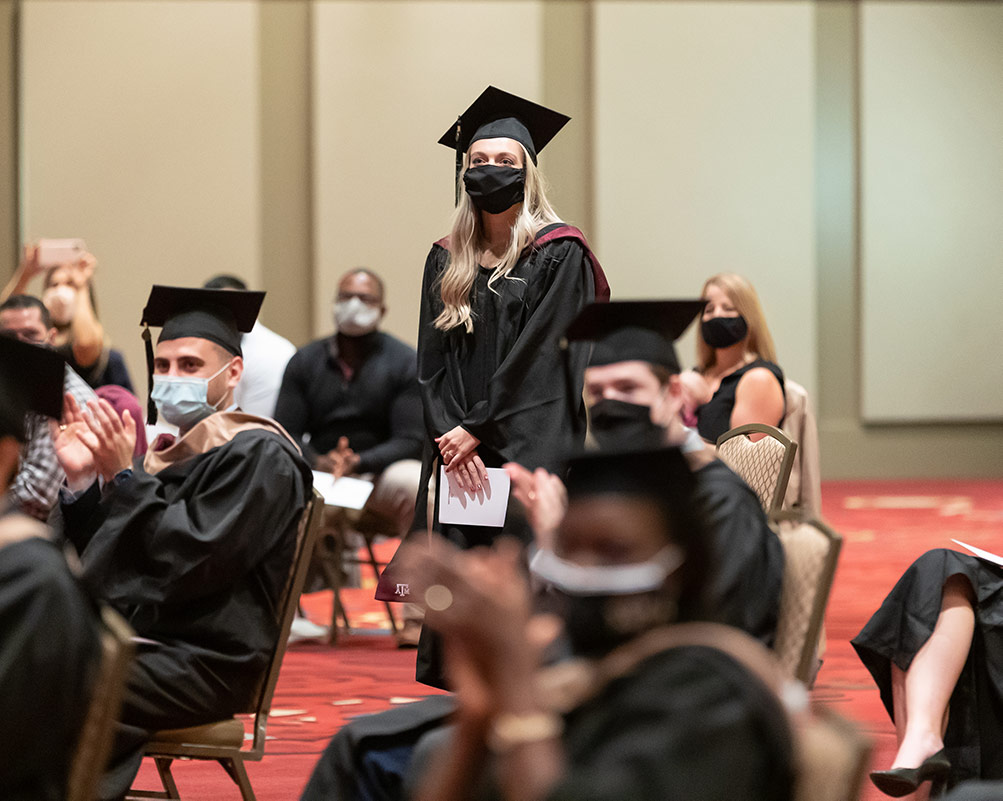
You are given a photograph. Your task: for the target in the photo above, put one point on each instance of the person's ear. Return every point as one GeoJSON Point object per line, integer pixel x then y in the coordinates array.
{"type": "Point", "coordinates": [234, 371]}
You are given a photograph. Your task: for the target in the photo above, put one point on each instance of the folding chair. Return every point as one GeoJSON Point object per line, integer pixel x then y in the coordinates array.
{"type": "Point", "coordinates": [223, 740]}
{"type": "Point", "coordinates": [97, 733]}
{"type": "Point", "coordinates": [764, 465]}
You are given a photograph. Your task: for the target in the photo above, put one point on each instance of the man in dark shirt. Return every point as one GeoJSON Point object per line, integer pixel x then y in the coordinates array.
{"type": "Point", "coordinates": [352, 401]}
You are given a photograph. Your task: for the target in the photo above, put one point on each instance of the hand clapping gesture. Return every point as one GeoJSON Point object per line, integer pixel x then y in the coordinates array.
{"type": "Point", "coordinates": [93, 442]}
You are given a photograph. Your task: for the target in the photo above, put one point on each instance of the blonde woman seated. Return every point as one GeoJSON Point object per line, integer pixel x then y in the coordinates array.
{"type": "Point", "coordinates": [737, 380]}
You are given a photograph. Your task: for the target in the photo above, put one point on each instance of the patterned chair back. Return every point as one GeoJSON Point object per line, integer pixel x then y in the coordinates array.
{"type": "Point", "coordinates": [764, 465]}
{"type": "Point", "coordinates": [811, 551]}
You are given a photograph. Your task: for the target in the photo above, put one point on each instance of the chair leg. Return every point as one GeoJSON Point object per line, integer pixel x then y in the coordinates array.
{"type": "Point", "coordinates": [166, 777]}
{"type": "Point", "coordinates": [234, 766]}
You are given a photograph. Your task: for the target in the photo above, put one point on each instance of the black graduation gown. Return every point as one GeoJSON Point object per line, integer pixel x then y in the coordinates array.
{"type": "Point", "coordinates": [688, 723]}
{"type": "Point", "coordinates": [974, 739]}
{"type": "Point", "coordinates": [504, 383]}
{"type": "Point", "coordinates": [49, 651]}
{"type": "Point", "coordinates": [195, 557]}
{"type": "Point", "coordinates": [748, 556]}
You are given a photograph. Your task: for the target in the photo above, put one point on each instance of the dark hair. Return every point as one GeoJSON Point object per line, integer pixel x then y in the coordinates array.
{"type": "Point", "coordinates": [663, 374]}
{"type": "Point", "coordinates": [224, 281]}
{"type": "Point", "coordinates": [369, 274]}
{"type": "Point", "coordinates": [28, 302]}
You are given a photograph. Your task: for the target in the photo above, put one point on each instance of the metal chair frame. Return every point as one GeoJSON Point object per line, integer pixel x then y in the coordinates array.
{"type": "Point", "coordinates": [197, 742]}
{"type": "Point", "coordinates": [97, 733]}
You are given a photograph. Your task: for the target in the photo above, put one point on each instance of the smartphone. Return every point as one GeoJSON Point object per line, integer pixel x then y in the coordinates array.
{"type": "Point", "coordinates": [53, 252]}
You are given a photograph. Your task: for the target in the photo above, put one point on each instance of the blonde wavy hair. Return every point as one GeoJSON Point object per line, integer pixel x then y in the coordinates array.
{"type": "Point", "coordinates": [746, 302]}
{"type": "Point", "coordinates": [466, 238]}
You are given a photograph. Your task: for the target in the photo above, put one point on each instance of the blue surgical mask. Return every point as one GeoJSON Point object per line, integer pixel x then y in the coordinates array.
{"type": "Point", "coordinates": [183, 401]}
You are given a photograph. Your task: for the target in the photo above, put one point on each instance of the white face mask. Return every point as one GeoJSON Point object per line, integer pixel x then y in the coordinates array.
{"type": "Point", "coordinates": [354, 318]}
{"type": "Point", "coordinates": [60, 300]}
{"type": "Point", "coordinates": [574, 579]}
{"type": "Point", "coordinates": [183, 401]}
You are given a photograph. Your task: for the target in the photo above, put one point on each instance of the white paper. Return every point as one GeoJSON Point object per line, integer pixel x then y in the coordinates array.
{"type": "Point", "coordinates": [486, 507]}
{"type": "Point", "coordinates": [989, 557]}
{"type": "Point", "coordinates": [346, 492]}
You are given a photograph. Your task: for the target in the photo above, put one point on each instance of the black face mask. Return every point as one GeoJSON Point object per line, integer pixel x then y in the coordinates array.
{"type": "Point", "coordinates": [596, 624]}
{"type": "Point", "coordinates": [722, 332]}
{"type": "Point", "coordinates": [620, 424]}
{"type": "Point", "coordinates": [494, 189]}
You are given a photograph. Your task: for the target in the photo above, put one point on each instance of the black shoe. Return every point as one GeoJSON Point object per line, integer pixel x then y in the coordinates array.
{"type": "Point", "coordinates": [902, 781]}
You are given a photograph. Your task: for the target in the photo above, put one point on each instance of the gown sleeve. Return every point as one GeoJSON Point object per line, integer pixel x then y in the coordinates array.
{"type": "Point", "coordinates": [155, 543]}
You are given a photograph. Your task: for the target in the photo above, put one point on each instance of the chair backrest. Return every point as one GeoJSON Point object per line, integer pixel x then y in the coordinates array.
{"type": "Point", "coordinates": [811, 552]}
{"type": "Point", "coordinates": [832, 757]}
{"type": "Point", "coordinates": [804, 490]}
{"type": "Point", "coordinates": [764, 465]}
{"type": "Point", "coordinates": [96, 735]}
{"type": "Point", "coordinates": [306, 537]}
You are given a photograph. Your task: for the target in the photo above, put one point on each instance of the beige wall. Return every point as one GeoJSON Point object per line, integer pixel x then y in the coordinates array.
{"type": "Point", "coordinates": [288, 140]}
{"type": "Point", "coordinates": [931, 113]}
{"type": "Point", "coordinates": [140, 134]}
{"type": "Point", "coordinates": [704, 157]}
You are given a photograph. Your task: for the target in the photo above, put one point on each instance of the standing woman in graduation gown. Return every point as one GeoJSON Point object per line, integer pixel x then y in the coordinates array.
{"type": "Point", "coordinates": [497, 294]}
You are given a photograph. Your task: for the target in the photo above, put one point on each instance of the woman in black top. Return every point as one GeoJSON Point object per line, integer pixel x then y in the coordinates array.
{"type": "Point", "coordinates": [737, 380]}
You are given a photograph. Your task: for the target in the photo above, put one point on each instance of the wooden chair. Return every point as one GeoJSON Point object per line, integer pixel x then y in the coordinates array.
{"type": "Point", "coordinates": [764, 465]}
{"type": "Point", "coordinates": [224, 740]}
{"type": "Point", "coordinates": [98, 731]}
{"type": "Point", "coordinates": [811, 552]}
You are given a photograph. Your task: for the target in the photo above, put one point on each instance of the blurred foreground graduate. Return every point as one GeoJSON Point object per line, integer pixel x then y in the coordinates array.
{"type": "Point", "coordinates": [194, 545]}
{"type": "Point", "coordinates": [48, 630]}
{"type": "Point", "coordinates": [648, 706]}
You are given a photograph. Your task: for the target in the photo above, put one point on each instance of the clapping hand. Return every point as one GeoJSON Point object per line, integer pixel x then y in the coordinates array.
{"type": "Point", "coordinates": [544, 497]}
{"type": "Point", "coordinates": [95, 441]}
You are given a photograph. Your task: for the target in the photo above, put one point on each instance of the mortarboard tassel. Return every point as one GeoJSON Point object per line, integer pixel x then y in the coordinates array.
{"type": "Point", "coordinates": [151, 407]}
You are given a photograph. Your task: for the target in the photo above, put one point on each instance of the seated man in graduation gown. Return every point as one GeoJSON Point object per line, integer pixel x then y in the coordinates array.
{"type": "Point", "coordinates": [634, 395]}
{"type": "Point", "coordinates": [194, 545]}
{"type": "Point", "coordinates": [48, 629]}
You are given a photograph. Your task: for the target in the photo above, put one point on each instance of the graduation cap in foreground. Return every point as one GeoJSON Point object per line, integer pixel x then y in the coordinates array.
{"type": "Point", "coordinates": [645, 473]}
{"type": "Point", "coordinates": [218, 315]}
{"type": "Point", "coordinates": [31, 380]}
{"type": "Point", "coordinates": [635, 330]}
{"type": "Point", "coordinates": [499, 114]}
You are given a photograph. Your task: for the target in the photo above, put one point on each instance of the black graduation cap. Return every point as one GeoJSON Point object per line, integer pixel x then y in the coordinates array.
{"type": "Point", "coordinates": [31, 380]}
{"type": "Point", "coordinates": [645, 473]}
{"type": "Point", "coordinates": [629, 330]}
{"type": "Point", "coordinates": [218, 315]}
{"type": "Point", "coordinates": [500, 114]}
{"type": "Point", "coordinates": [496, 113]}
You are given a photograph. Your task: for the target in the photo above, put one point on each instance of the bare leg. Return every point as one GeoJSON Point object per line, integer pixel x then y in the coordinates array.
{"type": "Point", "coordinates": [922, 693]}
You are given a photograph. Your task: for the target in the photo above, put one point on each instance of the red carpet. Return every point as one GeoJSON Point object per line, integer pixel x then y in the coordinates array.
{"type": "Point", "coordinates": [885, 526]}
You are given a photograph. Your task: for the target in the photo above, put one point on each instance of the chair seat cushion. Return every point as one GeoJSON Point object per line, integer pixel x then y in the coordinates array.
{"type": "Point", "coordinates": [229, 733]}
